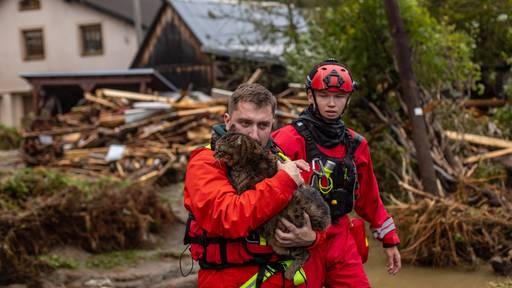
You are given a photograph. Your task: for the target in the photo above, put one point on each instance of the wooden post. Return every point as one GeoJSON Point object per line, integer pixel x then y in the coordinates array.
{"type": "Point", "coordinates": [36, 94]}
{"type": "Point", "coordinates": [411, 97]}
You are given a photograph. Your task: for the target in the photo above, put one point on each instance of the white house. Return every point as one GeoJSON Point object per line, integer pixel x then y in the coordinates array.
{"type": "Point", "coordinates": [63, 35]}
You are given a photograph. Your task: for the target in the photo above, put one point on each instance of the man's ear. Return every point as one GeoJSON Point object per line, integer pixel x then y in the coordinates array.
{"type": "Point", "coordinates": [227, 120]}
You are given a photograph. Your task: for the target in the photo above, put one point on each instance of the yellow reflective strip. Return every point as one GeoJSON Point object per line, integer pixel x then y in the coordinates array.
{"type": "Point", "coordinates": [209, 146]}
{"type": "Point", "coordinates": [263, 241]}
{"type": "Point", "coordinates": [300, 277]}
{"type": "Point", "coordinates": [252, 281]}
{"type": "Point", "coordinates": [283, 157]}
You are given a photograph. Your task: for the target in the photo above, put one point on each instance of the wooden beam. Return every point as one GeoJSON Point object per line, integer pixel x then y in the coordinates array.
{"type": "Point", "coordinates": [494, 102]}
{"type": "Point", "coordinates": [220, 93]}
{"type": "Point", "coordinates": [490, 155]}
{"type": "Point", "coordinates": [88, 96]}
{"type": "Point", "coordinates": [255, 76]}
{"type": "Point", "coordinates": [477, 139]}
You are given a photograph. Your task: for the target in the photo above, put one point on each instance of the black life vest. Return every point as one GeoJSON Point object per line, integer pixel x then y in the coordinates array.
{"type": "Point", "coordinates": [344, 176]}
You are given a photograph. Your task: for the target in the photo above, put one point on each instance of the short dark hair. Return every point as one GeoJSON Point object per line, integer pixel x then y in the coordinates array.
{"type": "Point", "coordinates": [253, 93]}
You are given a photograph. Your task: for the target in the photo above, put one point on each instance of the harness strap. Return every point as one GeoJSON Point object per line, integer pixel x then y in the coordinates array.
{"type": "Point", "coordinates": [267, 271]}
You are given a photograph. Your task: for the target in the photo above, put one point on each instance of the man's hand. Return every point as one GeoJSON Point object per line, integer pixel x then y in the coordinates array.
{"type": "Point", "coordinates": [296, 237]}
{"type": "Point", "coordinates": [394, 262]}
{"type": "Point", "coordinates": [293, 168]}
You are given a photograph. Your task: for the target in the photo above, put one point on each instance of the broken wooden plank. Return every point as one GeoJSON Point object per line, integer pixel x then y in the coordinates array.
{"type": "Point", "coordinates": [255, 76]}
{"type": "Point", "coordinates": [58, 131]}
{"type": "Point", "coordinates": [477, 139]}
{"type": "Point", "coordinates": [134, 96]}
{"type": "Point", "coordinates": [148, 97]}
{"type": "Point", "coordinates": [283, 114]}
{"type": "Point", "coordinates": [220, 93]}
{"type": "Point", "coordinates": [494, 102]}
{"type": "Point", "coordinates": [489, 155]}
{"type": "Point", "coordinates": [300, 102]}
{"type": "Point", "coordinates": [90, 97]}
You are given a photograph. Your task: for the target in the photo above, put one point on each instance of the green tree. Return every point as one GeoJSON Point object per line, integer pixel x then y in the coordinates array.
{"type": "Point", "coordinates": [489, 23]}
{"type": "Point", "coordinates": [356, 33]}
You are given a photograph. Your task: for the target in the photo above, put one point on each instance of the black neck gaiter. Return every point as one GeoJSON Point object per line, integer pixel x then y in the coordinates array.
{"type": "Point", "coordinates": [326, 133]}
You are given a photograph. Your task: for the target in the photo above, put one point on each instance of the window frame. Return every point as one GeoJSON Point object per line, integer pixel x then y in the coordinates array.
{"type": "Point", "coordinates": [82, 29]}
{"type": "Point", "coordinates": [36, 5]}
{"type": "Point", "coordinates": [26, 56]}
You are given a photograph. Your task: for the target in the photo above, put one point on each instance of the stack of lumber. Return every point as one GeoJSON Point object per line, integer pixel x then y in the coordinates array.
{"type": "Point", "coordinates": [122, 134]}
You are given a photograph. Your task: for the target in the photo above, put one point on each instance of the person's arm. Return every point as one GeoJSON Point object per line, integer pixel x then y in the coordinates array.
{"type": "Point", "coordinates": [293, 146]}
{"type": "Point", "coordinates": [219, 209]}
{"type": "Point", "coordinates": [370, 207]}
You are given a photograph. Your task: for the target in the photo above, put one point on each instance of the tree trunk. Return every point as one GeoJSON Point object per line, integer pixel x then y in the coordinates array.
{"type": "Point", "coordinates": [411, 95]}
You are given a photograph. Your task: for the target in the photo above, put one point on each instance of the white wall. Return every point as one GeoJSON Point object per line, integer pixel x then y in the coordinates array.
{"type": "Point", "coordinates": [60, 22]}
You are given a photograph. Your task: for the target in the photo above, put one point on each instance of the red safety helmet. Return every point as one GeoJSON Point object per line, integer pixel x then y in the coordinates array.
{"type": "Point", "coordinates": [332, 76]}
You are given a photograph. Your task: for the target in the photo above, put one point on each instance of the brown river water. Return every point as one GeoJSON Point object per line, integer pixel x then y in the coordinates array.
{"type": "Point", "coordinates": [424, 277]}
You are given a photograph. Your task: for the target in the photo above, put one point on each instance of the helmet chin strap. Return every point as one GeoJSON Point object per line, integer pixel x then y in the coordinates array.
{"type": "Point", "coordinates": [346, 106]}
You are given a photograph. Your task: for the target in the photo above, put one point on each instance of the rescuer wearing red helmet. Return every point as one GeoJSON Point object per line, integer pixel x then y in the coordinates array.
{"type": "Point", "coordinates": [341, 168]}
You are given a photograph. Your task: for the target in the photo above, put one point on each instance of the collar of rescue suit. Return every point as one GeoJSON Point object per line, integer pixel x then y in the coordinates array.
{"type": "Point", "coordinates": [219, 130]}
{"type": "Point", "coordinates": [325, 133]}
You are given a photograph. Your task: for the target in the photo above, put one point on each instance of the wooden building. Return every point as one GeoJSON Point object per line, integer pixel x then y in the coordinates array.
{"type": "Point", "coordinates": [200, 43]}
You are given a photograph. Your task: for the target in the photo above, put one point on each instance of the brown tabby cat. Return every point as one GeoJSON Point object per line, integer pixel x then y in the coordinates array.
{"type": "Point", "coordinates": [249, 164]}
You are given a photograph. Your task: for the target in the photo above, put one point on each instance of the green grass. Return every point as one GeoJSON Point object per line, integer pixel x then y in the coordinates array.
{"type": "Point", "coordinates": [114, 259]}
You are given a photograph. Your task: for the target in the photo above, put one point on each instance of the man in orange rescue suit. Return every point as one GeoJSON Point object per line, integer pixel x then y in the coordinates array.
{"type": "Point", "coordinates": [222, 223]}
{"type": "Point", "coordinates": [341, 168]}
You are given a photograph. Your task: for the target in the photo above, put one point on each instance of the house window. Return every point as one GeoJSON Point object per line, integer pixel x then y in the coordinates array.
{"type": "Point", "coordinates": [92, 42]}
{"type": "Point", "coordinates": [29, 5]}
{"type": "Point", "coordinates": [33, 41]}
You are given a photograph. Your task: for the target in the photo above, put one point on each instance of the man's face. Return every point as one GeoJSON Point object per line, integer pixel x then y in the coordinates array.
{"type": "Point", "coordinates": [250, 120]}
{"type": "Point", "coordinates": [330, 104]}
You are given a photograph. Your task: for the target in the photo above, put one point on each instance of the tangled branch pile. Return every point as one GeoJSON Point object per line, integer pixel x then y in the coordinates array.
{"type": "Point", "coordinates": [450, 232]}
{"type": "Point", "coordinates": [40, 209]}
{"type": "Point", "coordinates": [471, 218]}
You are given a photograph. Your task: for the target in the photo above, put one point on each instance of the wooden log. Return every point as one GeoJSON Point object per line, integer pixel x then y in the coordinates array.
{"type": "Point", "coordinates": [76, 153]}
{"type": "Point", "coordinates": [72, 137]}
{"type": "Point", "coordinates": [134, 96]}
{"type": "Point", "coordinates": [147, 97]}
{"type": "Point", "coordinates": [120, 169]}
{"type": "Point", "coordinates": [220, 93]}
{"type": "Point", "coordinates": [293, 101]}
{"type": "Point", "coordinates": [58, 131]}
{"type": "Point", "coordinates": [202, 133]}
{"type": "Point", "coordinates": [297, 85]}
{"type": "Point", "coordinates": [477, 139]}
{"type": "Point", "coordinates": [283, 114]}
{"type": "Point", "coordinates": [150, 130]}
{"type": "Point", "coordinates": [287, 92]}
{"type": "Point", "coordinates": [90, 97]}
{"type": "Point", "coordinates": [490, 155]}
{"type": "Point", "coordinates": [494, 102]}
{"type": "Point", "coordinates": [255, 76]}
{"type": "Point", "coordinates": [110, 120]}
{"type": "Point", "coordinates": [149, 176]}
{"type": "Point", "coordinates": [416, 191]}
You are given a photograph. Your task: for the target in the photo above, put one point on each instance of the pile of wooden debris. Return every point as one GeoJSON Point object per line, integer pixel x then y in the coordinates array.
{"type": "Point", "coordinates": [122, 134]}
